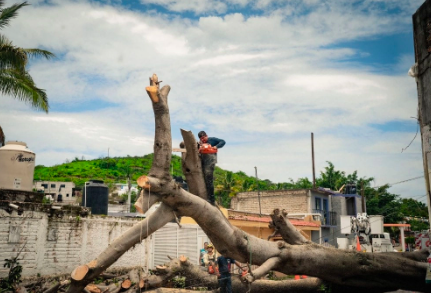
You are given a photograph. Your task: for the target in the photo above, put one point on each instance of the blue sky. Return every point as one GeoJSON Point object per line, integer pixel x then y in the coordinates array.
{"type": "Point", "coordinates": [261, 74]}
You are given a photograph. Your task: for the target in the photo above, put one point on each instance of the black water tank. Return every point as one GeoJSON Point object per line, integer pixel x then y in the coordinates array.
{"type": "Point", "coordinates": [96, 197]}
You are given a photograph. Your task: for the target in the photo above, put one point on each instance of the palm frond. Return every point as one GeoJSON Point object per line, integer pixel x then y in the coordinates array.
{"type": "Point", "coordinates": [9, 13]}
{"type": "Point", "coordinates": [21, 86]}
{"type": "Point", "coordinates": [31, 53]}
{"type": "Point", "coordinates": [11, 56]}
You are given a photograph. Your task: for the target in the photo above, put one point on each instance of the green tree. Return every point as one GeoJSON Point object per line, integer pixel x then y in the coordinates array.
{"type": "Point", "coordinates": [331, 178]}
{"type": "Point", "coordinates": [227, 188]}
{"type": "Point", "coordinates": [14, 78]}
{"type": "Point", "coordinates": [381, 202]}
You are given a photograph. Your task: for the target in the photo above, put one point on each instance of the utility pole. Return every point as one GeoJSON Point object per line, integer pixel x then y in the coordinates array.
{"type": "Point", "coordinates": [312, 160]}
{"type": "Point", "coordinates": [258, 191]}
{"type": "Point", "coordinates": [363, 197]}
{"type": "Point", "coordinates": [421, 72]}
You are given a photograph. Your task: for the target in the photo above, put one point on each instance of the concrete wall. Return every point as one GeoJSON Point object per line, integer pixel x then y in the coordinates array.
{"type": "Point", "coordinates": [339, 205]}
{"type": "Point", "coordinates": [294, 201]}
{"type": "Point", "coordinates": [57, 245]}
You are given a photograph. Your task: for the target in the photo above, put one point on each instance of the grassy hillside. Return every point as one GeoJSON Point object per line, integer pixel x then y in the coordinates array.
{"type": "Point", "coordinates": [115, 170]}
{"type": "Point", "coordinates": [111, 170]}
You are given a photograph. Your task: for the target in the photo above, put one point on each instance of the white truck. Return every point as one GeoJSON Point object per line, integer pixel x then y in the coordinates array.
{"type": "Point", "coordinates": [369, 230]}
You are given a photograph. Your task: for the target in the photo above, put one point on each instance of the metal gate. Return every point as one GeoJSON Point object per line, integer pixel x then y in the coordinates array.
{"type": "Point", "coordinates": [174, 241]}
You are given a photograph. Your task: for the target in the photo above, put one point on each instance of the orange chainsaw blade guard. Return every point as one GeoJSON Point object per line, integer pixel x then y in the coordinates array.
{"type": "Point", "coordinates": [206, 148]}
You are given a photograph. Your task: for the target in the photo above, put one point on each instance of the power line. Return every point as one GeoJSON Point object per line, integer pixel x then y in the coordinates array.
{"type": "Point", "coordinates": [399, 182]}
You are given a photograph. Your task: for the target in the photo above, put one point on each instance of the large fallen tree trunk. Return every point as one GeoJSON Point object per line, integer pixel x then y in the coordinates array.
{"type": "Point", "coordinates": [295, 255]}
{"type": "Point", "coordinates": [196, 277]}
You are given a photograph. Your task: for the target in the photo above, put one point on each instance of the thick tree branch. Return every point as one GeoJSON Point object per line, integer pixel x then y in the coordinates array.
{"type": "Point", "coordinates": [123, 243]}
{"type": "Point", "coordinates": [197, 277]}
{"type": "Point", "coordinates": [162, 138]}
{"type": "Point", "coordinates": [263, 269]}
{"type": "Point", "coordinates": [192, 166]}
{"type": "Point", "coordinates": [145, 201]}
{"type": "Point", "coordinates": [287, 231]}
{"type": "Point", "coordinates": [150, 184]}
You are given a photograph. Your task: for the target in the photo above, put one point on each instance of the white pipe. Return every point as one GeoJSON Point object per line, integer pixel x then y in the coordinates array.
{"type": "Point", "coordinates": [85, 196]}
{"type": "Point", "coordinates": [14, 206]}
{"type": "Point", "coordinates": [403, 243]}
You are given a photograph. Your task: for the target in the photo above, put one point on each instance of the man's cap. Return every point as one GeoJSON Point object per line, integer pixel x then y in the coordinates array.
{"type": "Point", "coordinates": [210, 245]}
{"type": "Point", "coordinates": [201, 133]}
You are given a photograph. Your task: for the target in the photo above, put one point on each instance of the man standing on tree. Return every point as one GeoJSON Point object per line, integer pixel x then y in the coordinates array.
{"type": "Point", "coordinates": [208, 147]}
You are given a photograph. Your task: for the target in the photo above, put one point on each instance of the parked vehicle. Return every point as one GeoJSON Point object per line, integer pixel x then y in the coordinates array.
{"type": "Point", "coordinates": [364, 233]}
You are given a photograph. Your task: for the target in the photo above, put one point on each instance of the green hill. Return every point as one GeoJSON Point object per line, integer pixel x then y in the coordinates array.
{"type": "Point", "coordinates": [116, 170]}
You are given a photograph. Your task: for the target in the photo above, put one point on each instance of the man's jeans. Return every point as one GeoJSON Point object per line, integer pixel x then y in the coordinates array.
{"type": "Point", "coordinates": [208, 164]}
{"type": "Point", "coordinates": [225, 283]}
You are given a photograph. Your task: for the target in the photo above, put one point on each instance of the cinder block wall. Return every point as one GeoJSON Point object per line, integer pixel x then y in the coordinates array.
{"type": "Point", "coordinates": [57, 245]}
{"type": "Point", "coordinates": [294, 201]}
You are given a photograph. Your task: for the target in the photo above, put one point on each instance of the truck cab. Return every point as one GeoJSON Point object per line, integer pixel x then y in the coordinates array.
{"type": "Point", "coordinates": [381, 242]}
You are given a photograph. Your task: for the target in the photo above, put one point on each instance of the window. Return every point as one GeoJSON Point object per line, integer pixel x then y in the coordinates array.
{"type": "Point", "coordinates": [44, 185]}
{"type": "Point", "coordinates": [325, 204]}
{"type": "Point", "coordinates": [67, 194]}
{"type": "Point", "coordinates": [318, 202]}
{"type": "Point", "coordinates": [63, 186]}
{"type": "Point", "coordinates": [52, 185]}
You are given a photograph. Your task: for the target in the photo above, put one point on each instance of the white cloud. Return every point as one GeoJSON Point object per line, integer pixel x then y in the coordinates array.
{"type": "Point", "coordinates": [198, 6]}
{"type": "Point", "coordinates": [263, 82]}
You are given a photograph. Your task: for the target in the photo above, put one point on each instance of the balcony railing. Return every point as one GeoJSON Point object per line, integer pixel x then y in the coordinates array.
{"type": "Point", "coordinates": [327, 218]}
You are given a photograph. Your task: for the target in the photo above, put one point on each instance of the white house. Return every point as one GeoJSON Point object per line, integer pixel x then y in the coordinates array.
{"type": "Point", "coordinates": [62, 192]}
{"type": "Point", "coordinates": [123, 188]}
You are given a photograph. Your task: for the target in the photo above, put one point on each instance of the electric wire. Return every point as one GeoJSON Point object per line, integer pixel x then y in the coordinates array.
{"type": "Point", "coordinates": [399, 182]}
{"type": "Point", "coordinates": [417, 130]}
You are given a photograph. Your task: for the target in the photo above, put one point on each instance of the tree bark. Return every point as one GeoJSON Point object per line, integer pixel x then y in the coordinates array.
{"type": "Point", "coordinates": [196, 277]}
{"type": "Point", "coordinates": [192, 166]}
{"type": "Point", "coordinates": [295, 255]}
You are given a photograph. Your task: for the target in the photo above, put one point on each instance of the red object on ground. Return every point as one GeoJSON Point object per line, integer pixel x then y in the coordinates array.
{"type": "Point", "coordinates": [297, 277]}
{"type": "Point", "coordinates": [358, 245]}
{"type": "Point", "coordinates": [304, 277]}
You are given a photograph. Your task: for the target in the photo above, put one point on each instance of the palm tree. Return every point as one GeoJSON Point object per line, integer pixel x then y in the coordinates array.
{"type": "Point", "coordinates": [2, 137]}
{"type": "Point", "coordinates": [14, 77]}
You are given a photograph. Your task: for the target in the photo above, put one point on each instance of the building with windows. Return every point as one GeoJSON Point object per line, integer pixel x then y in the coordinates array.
{"type": "Point", "coordinates": [123, 188]}
{"type": "Point", "coordinates": [61, 192]}
{"type": "Point", "coordinates": [318, 204]}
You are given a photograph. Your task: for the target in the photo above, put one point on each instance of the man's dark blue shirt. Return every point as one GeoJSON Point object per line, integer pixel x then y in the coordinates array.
{"type": "Point", "coordinates": [216, 142]}
{"type": "Point", "coordinates": [224, 264]}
